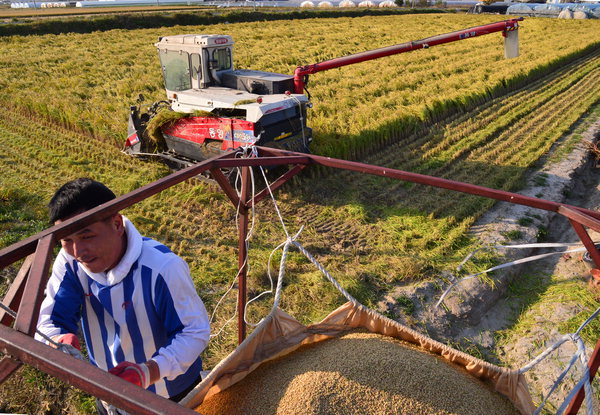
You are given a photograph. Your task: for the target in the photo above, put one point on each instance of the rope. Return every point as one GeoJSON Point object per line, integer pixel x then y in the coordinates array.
{"type": "Point", "coordinates": [275, 205]}
{"type": "Point", "coordinates": [579, 354]}
{"type": "Point", "coordinates": [282, 261]}
{"type": "Point", "coordinates": [269, 291]}
{"type": "Point", "coordinates": [277, 298]}
{"type": "Point", "coordinates": [326, 273]}
{"type": "Point", "coordinates": [285, 245]}
{"type": "Point", "coordinates": [508, 264]}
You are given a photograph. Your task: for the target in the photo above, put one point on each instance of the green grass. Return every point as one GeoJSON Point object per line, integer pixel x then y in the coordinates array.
{"type": "Point", "coordinates": [534, 296]}
{"type": "Point", "coordinates": [21, 214]}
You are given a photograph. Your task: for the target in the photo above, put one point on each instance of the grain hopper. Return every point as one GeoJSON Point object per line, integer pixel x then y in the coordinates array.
{"type": "Point", "coordinates": [355, 361]}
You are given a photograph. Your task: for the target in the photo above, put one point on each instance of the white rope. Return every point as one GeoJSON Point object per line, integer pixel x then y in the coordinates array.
{"type": "Point", "coordinates": [518, 246]}
{"type": "Point", "coordinates": [282, 261]}
{"type": "Point", "coordinates": [275, 205]}
{"type": "Point", "coordinates": [277, 298]}
{"type": "Point", "coordinates": [269, 291]}
{"type": "Point", "coordinates": [455, 282]}
{"type": "Point", "coordinates": [579, 354]}
{"type": "Point", "coordinates": [289, 241]}
{"type": "Point", "coordinates": [326, 273]}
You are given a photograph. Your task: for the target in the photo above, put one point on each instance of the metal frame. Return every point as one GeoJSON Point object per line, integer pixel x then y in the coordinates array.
{"type": "Point", "coordinates": [26, 292]}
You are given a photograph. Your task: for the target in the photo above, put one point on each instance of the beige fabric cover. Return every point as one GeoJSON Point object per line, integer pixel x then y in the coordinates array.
{"type": "Point", "coordinates": [279, 334]}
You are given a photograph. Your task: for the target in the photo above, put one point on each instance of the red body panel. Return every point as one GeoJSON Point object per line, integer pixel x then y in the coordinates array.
{"type": "Point", "coordinates": [232, 132]}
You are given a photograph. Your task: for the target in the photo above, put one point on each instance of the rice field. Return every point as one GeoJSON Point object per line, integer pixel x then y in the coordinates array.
{"type": "Point", "coordinates": [458, 111]}
{"type": "Point", "coordinates": [89, 80]}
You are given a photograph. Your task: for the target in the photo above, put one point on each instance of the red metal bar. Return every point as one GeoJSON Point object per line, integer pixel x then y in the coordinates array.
{"type": "Point", "coordinates": [29, 309]}
{"type": "Point", "coordinates": [593, 364]}
{"type": "Point", "coordinates": [434, 181]}
{"type": "Point", "coordinates": [243, 253]}
{"type": "Point", "coordinates": [220, 178]}
{"type": "Point", "coordinates": [12, 299]}
{"type": "Point", "coordinates": [85, 376]}
{"type": "Point", "coordinates": [8, 366]}
{"type": "Point", "coordinates": [587, 242]}
{"type": "Point", "coordinates": [27, 246]}
{"type": "Point", "coordinates": [580, 217]}
{"type": "Point", "coordinates": [292, 158]}
{"type": "Point", "coordinates": [302, 72]}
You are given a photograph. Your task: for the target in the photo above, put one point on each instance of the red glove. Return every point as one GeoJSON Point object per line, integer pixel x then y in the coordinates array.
{"type": "Point", "coordinates": [68, 338]}
{"type": "Point", "coordinates": [133, 373]}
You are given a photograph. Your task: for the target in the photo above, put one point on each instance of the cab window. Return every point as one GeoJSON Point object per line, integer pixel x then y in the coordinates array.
{"type": "Point", "coordinates": [176, 70]}
{"type": "Point", "coordinates": [195, 65]}
{"type": "Point", "coordinates": [223, 58]}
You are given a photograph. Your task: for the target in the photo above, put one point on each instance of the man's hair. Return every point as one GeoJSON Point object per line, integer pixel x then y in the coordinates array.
{"type": "Point", "coordinates": [78, 196]}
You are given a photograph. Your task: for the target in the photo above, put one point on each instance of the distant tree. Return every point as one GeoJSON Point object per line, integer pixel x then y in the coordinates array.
{"type": "Point", "coordinates": [399, 2]}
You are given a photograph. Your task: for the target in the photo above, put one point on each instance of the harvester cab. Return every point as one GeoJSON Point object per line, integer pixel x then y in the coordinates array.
{"type": "Point", "coordinates": [212, 107]}
{"type": "Point", "coordinates": [194, 62]}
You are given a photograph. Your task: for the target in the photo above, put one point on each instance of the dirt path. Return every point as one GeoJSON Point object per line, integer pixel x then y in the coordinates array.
{"type": "Point", "coordinates": [539, 298]}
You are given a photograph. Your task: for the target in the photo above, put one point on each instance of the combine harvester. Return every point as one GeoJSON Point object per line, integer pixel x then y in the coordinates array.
{"type": "Point", "coordinates": [220, 108]}
{"type": "Point", "coordinates": [278, 334]}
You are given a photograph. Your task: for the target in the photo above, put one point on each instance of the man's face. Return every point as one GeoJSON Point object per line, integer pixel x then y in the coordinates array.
{"type": "Point", "coordinates": [99, 246]}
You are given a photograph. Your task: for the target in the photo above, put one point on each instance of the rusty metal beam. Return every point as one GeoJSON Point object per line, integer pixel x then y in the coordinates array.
{"type": "Point", "coordinates": [220, 178]}
{"type": "Point", "coordinates": [594, 364]}
{"type": "Point", "coordinates": [587, 241]}
{"type": "Point", "coordinates": [8, 366]}
{"type": "Point", "coordinates": [85, 376]}
{"type": "Point", "coordinates": [27, 246]}
{"type": "Point", "coordinates": [580, 217]}
{"type": "Point", "coordinates": [433, 181]}
{"type": "Point", "coordinates": [296, 158]}
{"type": "Point", "coordinates": [12, 299]}
{"type": "Point", "coordinates": [29, 309]}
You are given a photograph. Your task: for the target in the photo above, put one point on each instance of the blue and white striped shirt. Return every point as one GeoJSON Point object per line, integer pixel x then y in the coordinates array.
{"type": "Point", "coordinates": [145, 308]}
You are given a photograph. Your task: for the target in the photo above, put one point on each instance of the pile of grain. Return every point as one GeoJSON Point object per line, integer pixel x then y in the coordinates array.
{"type": "Point", "coordinates": [359, 373]}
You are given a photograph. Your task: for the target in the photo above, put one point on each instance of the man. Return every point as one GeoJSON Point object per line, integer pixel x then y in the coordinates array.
{"type": "Point", "coordinates": [141, 317]}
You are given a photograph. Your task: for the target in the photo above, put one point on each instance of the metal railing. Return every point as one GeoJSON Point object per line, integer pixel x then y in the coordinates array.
{"type": "Point", "coordinates": [26, 292]}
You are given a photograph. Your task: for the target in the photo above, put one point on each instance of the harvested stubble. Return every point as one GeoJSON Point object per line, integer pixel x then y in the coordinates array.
{"type": "Point", "coordinates": [359, 373]}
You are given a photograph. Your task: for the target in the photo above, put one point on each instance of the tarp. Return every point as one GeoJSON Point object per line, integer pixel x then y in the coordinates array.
{"type": "Point", "coordinates": [280, 334]}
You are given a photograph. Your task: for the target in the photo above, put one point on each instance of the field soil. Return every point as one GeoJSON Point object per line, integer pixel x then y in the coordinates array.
{"type": "Point", "coordinates": [478, 316]}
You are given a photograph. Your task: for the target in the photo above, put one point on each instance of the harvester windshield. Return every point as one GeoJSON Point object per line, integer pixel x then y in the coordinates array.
{"type": "Point", "coordinates": [176, 70]}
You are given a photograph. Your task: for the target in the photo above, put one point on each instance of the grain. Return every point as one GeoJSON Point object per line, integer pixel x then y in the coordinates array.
{"type": "Point", "coordinates": [362, 374]}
